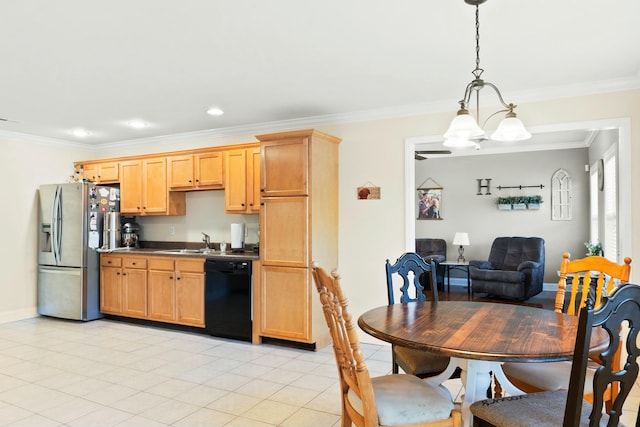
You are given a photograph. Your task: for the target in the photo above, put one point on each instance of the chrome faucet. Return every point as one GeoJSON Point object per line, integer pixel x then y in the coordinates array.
{"type": "Point", "coordinates": [207, 240]}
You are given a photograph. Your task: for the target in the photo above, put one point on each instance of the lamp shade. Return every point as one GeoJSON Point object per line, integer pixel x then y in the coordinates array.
{"type": "Point", "coordinates": [461, 239]}
{"type": "Point", "coordinates": [463, 126]}
{"type": "Point", "coordinates": [510, 129]}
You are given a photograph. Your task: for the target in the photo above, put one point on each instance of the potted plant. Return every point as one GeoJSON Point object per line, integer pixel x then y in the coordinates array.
{"type": "Point", "coordinates": [504, 203]}
{"type": "Point", "coordinates": [594, 249]}
{"type": "Point", "coordinates": [519, 203]}
{"type": "Point", "coordinates": [534, 202]}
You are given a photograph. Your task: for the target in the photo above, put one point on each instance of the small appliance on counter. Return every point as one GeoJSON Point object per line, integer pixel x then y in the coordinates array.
{"type": "Point", "coordinates": [111, 230]}
{"type": "Point", "coordinates": [237, 237]}
{"type": "Point", "coordinates": [130, 235]}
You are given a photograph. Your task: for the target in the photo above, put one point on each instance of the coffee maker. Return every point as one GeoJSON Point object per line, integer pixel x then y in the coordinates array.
{"type": "Point", "coordinates": [130, 235]}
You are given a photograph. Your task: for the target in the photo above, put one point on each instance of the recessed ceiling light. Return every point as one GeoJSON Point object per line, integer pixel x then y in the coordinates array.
{"type": "Point", "coordinates": [215, 111]}
{"type": "Point", "coordinates": [80, 133]}
{"type": "Point", "coordinates": [138, 124]}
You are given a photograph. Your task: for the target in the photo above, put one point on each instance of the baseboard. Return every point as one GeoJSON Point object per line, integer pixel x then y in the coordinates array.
{"type": "Point", "coordinates": [461, 281]}
{"type": "Point", "coordinates": [15, 315]}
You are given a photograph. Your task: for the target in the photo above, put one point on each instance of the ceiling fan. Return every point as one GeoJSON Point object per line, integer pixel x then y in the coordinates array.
{"type": "Point", "coordinates": [418, 154]}
{"type": "Point", "coordinates": [3, 119]}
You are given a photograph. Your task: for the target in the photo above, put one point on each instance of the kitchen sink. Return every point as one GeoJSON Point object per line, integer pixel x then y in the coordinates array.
{"type": "Point", "coordinates": [186, 251]}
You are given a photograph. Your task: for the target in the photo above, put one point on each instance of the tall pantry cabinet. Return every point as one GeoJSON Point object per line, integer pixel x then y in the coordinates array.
{"type": "Point", "coordinates": [298, 225]}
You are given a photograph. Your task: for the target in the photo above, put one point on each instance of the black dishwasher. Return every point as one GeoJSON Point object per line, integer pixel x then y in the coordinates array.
{"type": "Point", "coordinates": [228, 299]}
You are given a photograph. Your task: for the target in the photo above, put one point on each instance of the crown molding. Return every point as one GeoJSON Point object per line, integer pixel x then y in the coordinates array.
{"type": "Point", "coordinates": [7, 135]}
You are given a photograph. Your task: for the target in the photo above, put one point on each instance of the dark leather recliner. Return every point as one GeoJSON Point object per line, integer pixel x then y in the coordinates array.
{"type": "Point", "coordinates": [433, 250]}
{"type": "Point", "coordinates": [515, 268]}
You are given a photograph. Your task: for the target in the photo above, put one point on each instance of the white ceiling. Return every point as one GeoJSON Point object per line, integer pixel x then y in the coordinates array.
{"type": "Point", "coordinates": [96, 65]}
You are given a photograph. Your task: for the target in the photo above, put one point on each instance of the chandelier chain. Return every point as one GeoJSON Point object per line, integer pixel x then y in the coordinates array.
{"type": "Point", "coordinates": [477, 37]}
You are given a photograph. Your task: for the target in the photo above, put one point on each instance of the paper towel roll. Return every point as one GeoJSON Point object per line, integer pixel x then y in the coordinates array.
{"type": "Point", "coordinates": [237, 236]}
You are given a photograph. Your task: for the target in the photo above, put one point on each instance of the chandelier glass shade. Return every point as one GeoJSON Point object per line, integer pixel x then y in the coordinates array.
{"type": "Point", "coordinates": [464, 130]}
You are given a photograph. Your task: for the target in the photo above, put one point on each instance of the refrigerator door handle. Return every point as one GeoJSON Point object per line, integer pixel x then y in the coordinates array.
{"type": "Point", "coordinates": [56, 223]}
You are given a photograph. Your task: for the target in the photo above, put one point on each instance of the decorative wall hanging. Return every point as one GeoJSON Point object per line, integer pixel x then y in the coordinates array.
{"type": "Point", "coordinates": [561, 196]}
{"type": "Point", "coordinates": [429, 203]}
{"type": "Point", "coordinates": [368, 191]}
{"type": "Point", "coordinates": [487, 185]}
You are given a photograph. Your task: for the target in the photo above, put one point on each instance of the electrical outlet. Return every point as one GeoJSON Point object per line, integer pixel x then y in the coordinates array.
{"type": "Point", "coordinates": [172, 230]}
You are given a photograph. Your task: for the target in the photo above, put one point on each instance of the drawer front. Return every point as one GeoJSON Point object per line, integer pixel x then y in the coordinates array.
{"type": "Point", "coordinates": [194, 265]}
{"type": "Point", "coordinates": [134, 262]}
{"type": "Point", "coordinates": [157, 263]}
{"type": "Point", "coordinates": [110, 261]}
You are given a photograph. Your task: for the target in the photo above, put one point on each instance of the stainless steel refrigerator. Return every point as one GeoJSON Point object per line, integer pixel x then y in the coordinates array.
{"type": "Point", "coordinates": [73, 224]}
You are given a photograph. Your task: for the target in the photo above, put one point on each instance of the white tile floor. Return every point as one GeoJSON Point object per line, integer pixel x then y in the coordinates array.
{"type": "Point", "coordinates": [107, 373]}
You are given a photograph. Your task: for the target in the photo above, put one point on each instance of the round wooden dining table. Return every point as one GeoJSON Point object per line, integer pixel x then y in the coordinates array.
{"type": "Point", "coordinates": [478, 336]}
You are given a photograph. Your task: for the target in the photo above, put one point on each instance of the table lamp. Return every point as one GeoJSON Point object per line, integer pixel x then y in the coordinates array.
{"type": "Point", "coordinates": [461, 239]}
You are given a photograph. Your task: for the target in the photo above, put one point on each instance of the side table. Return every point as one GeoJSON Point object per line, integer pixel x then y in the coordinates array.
{"type": "Point", "coordinates": [451, 265]}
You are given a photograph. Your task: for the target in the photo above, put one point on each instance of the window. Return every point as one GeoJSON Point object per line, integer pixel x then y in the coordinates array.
{"type": "Point", "coordinates": [561, 196]}
{"type": "Point", "coordinates": [610, 189]}
{"type": "Point", "coordinates": [593, 205]}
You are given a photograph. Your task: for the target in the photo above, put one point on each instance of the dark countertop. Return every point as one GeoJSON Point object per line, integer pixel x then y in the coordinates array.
{"type": "Point", "coordinates": [184, 251]}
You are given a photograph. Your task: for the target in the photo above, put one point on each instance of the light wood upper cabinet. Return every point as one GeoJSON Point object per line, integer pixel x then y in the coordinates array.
{"type": "Point", "coordinates": [154, 186]}
{"type": "Point", "coordinates": [292, 179]}
{"type": "Point", "coordinates": [101, 173]}
{"type": "Point", "coordinates": [180, 172]}
{"type": "Point", "coordinates": [131, 187]}
{"type": "Point", "coordinates": [143, 189]}
{"type": "Point", "coordinates": [209, 170]}
{"type": "Point", "coordinates": [242, 181]}
{"type": "Point", "coordinates": [253, 179]}
{"type": "Point", "coordinates": [202, 171]}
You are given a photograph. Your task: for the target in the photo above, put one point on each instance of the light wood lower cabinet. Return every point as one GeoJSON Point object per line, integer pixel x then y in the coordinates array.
{"type": "Point", "coordinates": [285, 300]}
{"type": "Point", "coordinates": [111, 284]}
{"type": "Point", "coordinates": [134, 287]}
{"type": "Point", "coordinates": [162, 289]}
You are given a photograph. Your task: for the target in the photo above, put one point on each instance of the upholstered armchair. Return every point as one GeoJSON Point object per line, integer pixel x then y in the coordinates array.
{"type": "Point", "coordinates": [515, 268]}
{"type": "Point", "coordinates": [433, 250]}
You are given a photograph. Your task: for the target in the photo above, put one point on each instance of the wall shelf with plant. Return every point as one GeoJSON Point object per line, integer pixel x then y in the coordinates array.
{"type": "Point", "coordinates": [517, 203]}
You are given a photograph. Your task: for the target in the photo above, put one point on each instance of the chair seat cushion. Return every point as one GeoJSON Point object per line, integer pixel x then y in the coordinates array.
{"type": "Point", "coordinates": [546, 376]}
{"type": "Point", "coordinates": [419, 362]}
{"type": "Point", "coordinates": [406, 399]}
{"type": "Point", "coordinates": [497, 275]}
{"type": "Point", "coordinates": [545, 409]}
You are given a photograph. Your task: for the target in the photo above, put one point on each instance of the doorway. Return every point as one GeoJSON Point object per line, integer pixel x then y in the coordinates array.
{"type": "Point", "coordinates": [623, 164]}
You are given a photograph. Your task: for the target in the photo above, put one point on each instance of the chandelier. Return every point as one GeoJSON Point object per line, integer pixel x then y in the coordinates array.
{"type": "Point", "coordinates": [464, 130]}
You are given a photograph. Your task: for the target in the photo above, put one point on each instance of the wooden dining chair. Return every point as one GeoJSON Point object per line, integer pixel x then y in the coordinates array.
{"type": "Point", "coordinates": [388, 400]}
{"type": "Point", "coordinates": [595, 276]}
{"type": "Point", "coordinates": [568, 408]}
{"type": "Point", "coordinates": [408, 271]}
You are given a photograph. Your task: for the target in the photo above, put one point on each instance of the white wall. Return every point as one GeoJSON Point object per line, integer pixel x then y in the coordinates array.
{"type": "Point", "coordinates": [463, 210]}
{"type": "Point", "coordinates": [25, 164]}
{"type": "Point", "coordinates": [205, 214]}
{"type": "Point", "coordinates": [373, 151]}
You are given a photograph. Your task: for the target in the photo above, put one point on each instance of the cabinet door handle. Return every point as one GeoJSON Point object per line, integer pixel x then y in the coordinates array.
{"type": "Point", "coordinates": [262, 190]}
{"type": "Point", "coordinates": [133, 263]}
{"type": "Point", "coordinates": [190, 181]}
{"type": "Point", "coordinates": [171, 277]}
{"type": "Point", "coordinates": [124, 274]}
{"type": "Point", "coordinates": [197, 180]}
{"type": "Point", "coordinates": [118, 273]}
{"type": "Point", "coordinates": [178, 278]}
{"type": "Point", "coordinates": [109, 262]}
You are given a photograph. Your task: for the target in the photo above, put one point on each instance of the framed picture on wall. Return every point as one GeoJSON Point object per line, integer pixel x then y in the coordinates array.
{"type": "Point", "coordinates": [429, 203]}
